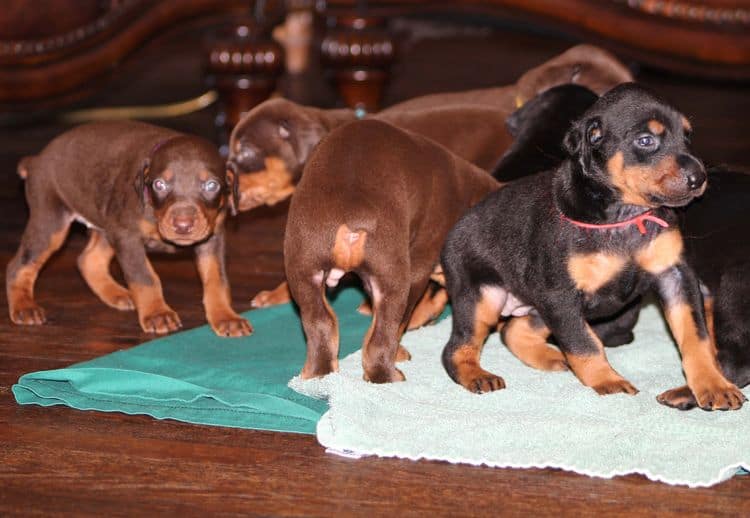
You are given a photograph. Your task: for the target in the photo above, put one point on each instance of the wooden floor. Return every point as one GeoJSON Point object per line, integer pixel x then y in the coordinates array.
{"type": "Point", "coordinates": [62, 461]}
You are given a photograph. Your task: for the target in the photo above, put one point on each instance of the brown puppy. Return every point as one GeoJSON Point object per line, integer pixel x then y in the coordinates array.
{"type": "Point", "coordinates": [136, 186]}
{"type": "Point", "coordinates": [377, 201]}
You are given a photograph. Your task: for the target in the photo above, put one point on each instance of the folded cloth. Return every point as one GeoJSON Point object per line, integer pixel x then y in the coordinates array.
{"type": "Point", "coordinates": [198, 377]}
{"type": "Point", "coordinates": [541, 419]}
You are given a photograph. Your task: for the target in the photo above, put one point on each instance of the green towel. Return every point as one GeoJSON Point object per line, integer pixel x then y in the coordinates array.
{"type": "Point", "coordinates": [197, 377]}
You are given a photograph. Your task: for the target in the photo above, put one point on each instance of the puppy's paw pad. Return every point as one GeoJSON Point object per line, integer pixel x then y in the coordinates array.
{"type": "Point", "coordinates": [161, 322]}
{"type": "Point", "coordinates": [233, 326]}
{"type": "Point", "coordinates": [28, 315]}
{"type": "Point", "coordinates": [680, 398]}
{"type": "Point", "coordinates": [615, 386]}
{"type": "Point", "coordinates": [402, 355]}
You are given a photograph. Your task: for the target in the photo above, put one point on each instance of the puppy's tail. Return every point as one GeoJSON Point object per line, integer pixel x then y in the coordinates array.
{"type": "Point", "coordinates": [24, 165]}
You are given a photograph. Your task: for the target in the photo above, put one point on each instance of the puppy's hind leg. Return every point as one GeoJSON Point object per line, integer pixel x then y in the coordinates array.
{"type": "Point", "coordinates": [318, 321]}
{"type": "Point", "coordinates": [380, 348]}
{"type": "Point", "coordinates": [93, 263]}
{"type": "Point", "coordinates": [475, 314]}
{"type": "Point", "coordinates": [44, 234]}
{"type": "Point", "coordinates": [526, 337]}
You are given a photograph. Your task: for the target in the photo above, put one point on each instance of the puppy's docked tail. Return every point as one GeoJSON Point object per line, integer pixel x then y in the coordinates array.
{"type": "Point", "coordinates": [24, 165]}
{"type": "Point", "coordinates": [348, 252]}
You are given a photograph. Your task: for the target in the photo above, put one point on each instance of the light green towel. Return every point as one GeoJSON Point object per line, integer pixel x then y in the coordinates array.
{"type": "Point", "coordinates": [197, 377]}
{"type": "Point", "coordinates": [541, 419]}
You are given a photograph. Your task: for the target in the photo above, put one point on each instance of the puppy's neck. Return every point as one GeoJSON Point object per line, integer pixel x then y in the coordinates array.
{"type": "Point", "coordinates": [581, 196]}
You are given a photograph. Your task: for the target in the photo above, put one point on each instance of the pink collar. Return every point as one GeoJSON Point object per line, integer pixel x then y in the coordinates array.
{"type": "Point", "coordinates": [638, 221]}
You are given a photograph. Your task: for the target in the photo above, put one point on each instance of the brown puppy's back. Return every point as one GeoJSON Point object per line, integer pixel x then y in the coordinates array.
{"type": "Point", "coordinates": [87, 165]}
{"type": "Point", "coordinates": [375, 177]}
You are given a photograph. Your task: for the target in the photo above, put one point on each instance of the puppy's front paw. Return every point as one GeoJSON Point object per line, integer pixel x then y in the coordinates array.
{"type": "Point", "coordinates": [27, 314]}
{"type": "Point", "coordinates": [614, 385]}
{"type": "Point", "coordinates": [680, 398]}
{"type": "Point", "coordinates": [231, 325]}
{"type": "Point", "coordinates": [718, 394]}
{"type": "Point", "coordinates": [161, 322]}
{"type": "Point", "coordinates": [480, 381]}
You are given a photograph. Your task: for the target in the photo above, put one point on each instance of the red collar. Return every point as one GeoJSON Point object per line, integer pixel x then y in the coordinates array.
{"type": "Point", "coordinates": [638, 221]}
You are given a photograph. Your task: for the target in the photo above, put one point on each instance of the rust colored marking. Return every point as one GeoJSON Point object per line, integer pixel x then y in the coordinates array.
{"type": "Point", "coordinates": [149, 230]}
{"type": "Point", "coordinates": [637, 182]}
{"type": "Point", "coordinates": [216, 298]}
{"type": "Point", "coordinates": [529, 344]}
{"type": "Point", "coordinates": [428, 308]}
{"type": "Point", "coordinates": [686, 124]}
{"type": "Point", "coordinates": [469, 373]}
{"type": "Point", "coordinates": [266, 187]}
{"type": "Point", "coordinates": [661, 253]}
{"type": "Point", "coordinates": [93, 264]}
{"type": "Point", "coordinates": [708, 308]}
{"type": "Point", "coordinates": [438, 275]}
{"type": "Point", "coordinates": [698, 354]}
{"type": "Point", "coordinates": [656, 127]}
{"type": "Point", "coordinates": [279, 295]}
{"type": "Point", "coordinates": [21, 286]}
{"type": "Point", "coordinates": [595, 371]}
{"type": "Point", "coordinates": [168, 175]}
{"type": "Point", "coordinates": [349, 248]}
{"type": "Point", "coordinates": [592, 271]}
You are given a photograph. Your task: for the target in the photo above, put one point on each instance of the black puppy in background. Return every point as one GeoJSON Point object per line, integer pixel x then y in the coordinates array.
{"type": "Point", "coordinates": [582, 243]}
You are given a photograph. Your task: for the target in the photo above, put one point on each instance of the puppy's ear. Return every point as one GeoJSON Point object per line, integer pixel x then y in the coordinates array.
{"type": "Point", "coordinates": [141, 182]}
{"type": "Point", "coordinates": [572, 139]}
{"type": "Point", "coordinates": [233, 189]}
{"type": "Point", "coordinates": [582, 135]}
{"type": "Point", "coordinates": [306, 132]}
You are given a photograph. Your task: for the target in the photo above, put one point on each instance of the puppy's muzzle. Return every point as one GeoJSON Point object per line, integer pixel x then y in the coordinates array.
{"type": "Point", "coordinates": [183, 224]}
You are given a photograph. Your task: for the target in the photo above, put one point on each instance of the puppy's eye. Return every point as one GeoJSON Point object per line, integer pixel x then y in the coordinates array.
{"type": "Point", "coordinates": [211, 186]}
{"type": "Point", "coordinates": [160, 185]}
{"type": "Point", "coordinates": [646, 141]}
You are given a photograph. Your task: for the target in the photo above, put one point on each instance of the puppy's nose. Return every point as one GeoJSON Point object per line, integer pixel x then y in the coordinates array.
{"type": "Point", "coordinates": [696, 180]}
{"type": "Point", "coordinates": [183, 220]}
{"type": "Point", "coordinates": [183, 225]}
{"type": "Point", "coordinates": [692, 168]}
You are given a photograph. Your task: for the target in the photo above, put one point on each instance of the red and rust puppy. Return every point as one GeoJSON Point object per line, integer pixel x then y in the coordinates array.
{"type": "Point", "coordinates": [565, 248]}
{"type": "Point", "coordinates": [377, 201]}
{"type": "Point", "coordinates": [136, 186]}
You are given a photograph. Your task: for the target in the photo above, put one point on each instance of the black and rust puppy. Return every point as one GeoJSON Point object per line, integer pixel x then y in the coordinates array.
{"type": "Point", "coordinates": [136, 186]}
{"type": "Point", "coordinates": [377, 201]}
{"type": "Point", "coordinates": [559, 249]}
